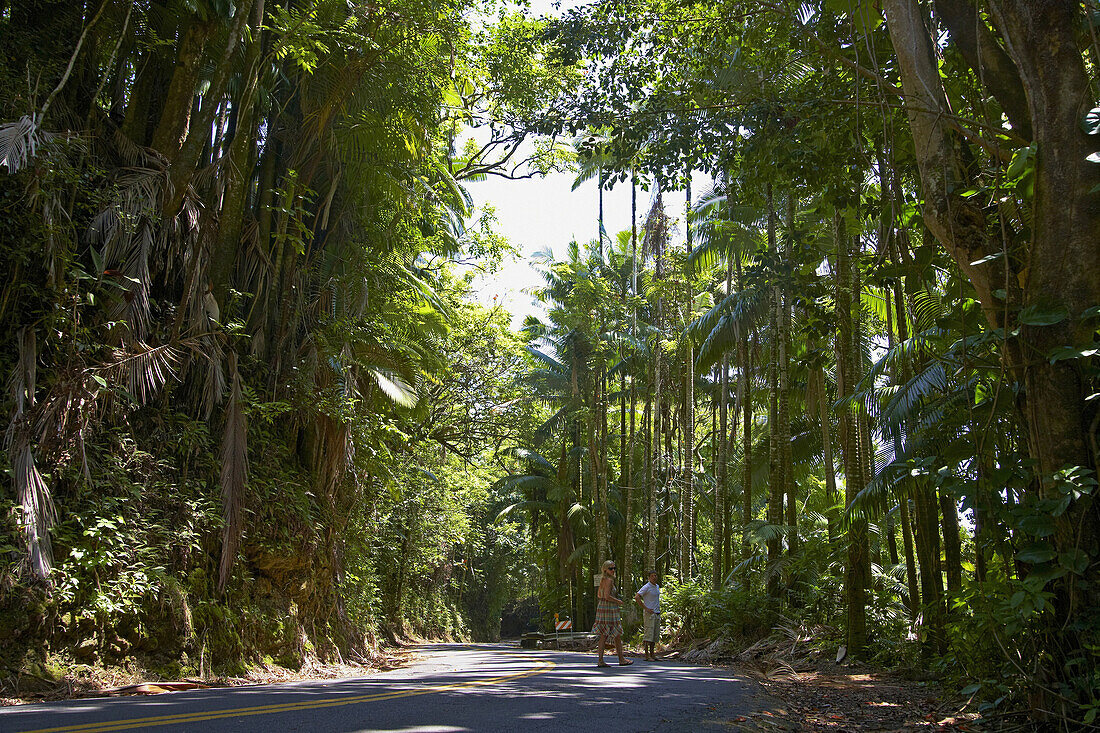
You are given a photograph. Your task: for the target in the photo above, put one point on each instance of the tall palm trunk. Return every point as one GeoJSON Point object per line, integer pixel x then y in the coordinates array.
{"type": "Point", "coordinates": [628, 497]}
{"type": "Point", "coordinates": [952, 547]}
{"type": "Point", "coordinates": [627, 467]}
{"type": "Point", "coordinates": [775, 469]}
{"type": "Point", "coordinates": [744, 357]}
{"type": "Point", "coordinates": [721, 488]}
{"type": "Point", "coordinates": [687, 533]}
{"type": "Point", "coordinates": [822, 399]}
{"type": "Point", "coordinates": [899, 376]}
{"type": "Point", "coordinates": [658, 384]}
{"type": "Point", "coordinates": [650, 524]}
{"type": "Point", "coordinates": [657, 428]}
{"type": "Point", "coordinates": [784, 405]}
{"type": "Point", "coordinates": [595, 482]}
{"type": "Point", "coordinates": [928, 560]}
{"type": "Point", "coordinates": [854, 581]}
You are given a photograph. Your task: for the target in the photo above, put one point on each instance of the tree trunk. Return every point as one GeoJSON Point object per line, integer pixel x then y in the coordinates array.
{"type": "Point", "coordinates": [990, 63]}
{"type": "Point", "coordinates": [913, 601]}
{"type": "Point", "coordinates": [1039, 37]}
{"type": "Point", "coordinates": [687, 534]}
{"type": "Point", "coordinates": [655, 462]}
{"type": "Point", "coordinates": [776, 488]}
{"type": "Point", "coordinates": [598, 497]}
{"type": "Point", "coordinates": [650, 543]}
{"type": "Point", "coordinates": [928, 558]}
{"type": "Point", "coordinates": [1061, 272]}
{"type": "Point", "coordinates": [721, 489]}
{"type": "Point", "coordinates": [896, 318]}
{"type": "Point", "coordinates": [142, 111]}
{"type": "Point", "coordinates": [952, 548]}
{"type": "Point", "coordinates": [176, 111]}
{"type": "Point", "coordinates": [238, 175]}
{"type": "Point", "coordinates": [746, 440]}
{"type": "Point", "coordinates": [827, 448]}
{"type": "Point", "coordinates": [628, 454]}
{"type": "Point", "coordinates": [184, 163]}
{"type": "Point", "coordinates": [718, 421]}
{"type": "Point", "coordinates": [958, 224]}
{"type": "Point", "coordinates": [865, 448]}
{"type": "Point", "coordinates": [784, 405]}
{"type": "Point", "coordinates": [854, 580]}
{"type": "Point", "coordinates": [626, 472]}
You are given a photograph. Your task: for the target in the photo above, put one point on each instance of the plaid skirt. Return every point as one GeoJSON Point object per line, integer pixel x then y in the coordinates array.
{"type": "Point", "coordinates": [608, 620]}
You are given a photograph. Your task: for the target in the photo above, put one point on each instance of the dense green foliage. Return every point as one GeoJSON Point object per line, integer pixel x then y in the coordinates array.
{"type": "Point", "coordinates": [851, 380]}
{"type": "Point", "coordinates": [253, 407]}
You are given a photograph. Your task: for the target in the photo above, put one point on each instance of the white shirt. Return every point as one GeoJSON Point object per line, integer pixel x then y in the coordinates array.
{"type": "Point", "coordinates": [651, 597]}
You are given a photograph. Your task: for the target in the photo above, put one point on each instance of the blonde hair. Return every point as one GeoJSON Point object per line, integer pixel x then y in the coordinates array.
{"type": "Point", "coordinates": [607, 564]}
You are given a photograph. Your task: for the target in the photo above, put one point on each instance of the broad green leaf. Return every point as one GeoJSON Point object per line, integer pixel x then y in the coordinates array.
{"type": "Point", "coordinates": [1075, 560]}
{"type": "Point", "coordinates": [864, 15]}
{"type": "Point", "coordinates": [1038, 525]}
{"type": "Point", "coordinates": [1036, 552]}
{"type": "Point", "coordinates": [1043, 315]}
{"type": "Point", "coordinates": [1069, 352]}
{"type": "Point", "coordinates": [1043, 574]}
{"type": "Point", "coordinates": [1019, 164]}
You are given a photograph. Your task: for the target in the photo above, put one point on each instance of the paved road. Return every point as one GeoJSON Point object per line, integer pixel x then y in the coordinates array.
{"type": "Point", "coordinates": [454, 688]}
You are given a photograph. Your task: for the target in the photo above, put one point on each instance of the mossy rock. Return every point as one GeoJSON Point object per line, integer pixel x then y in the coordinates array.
{"type": "Point", "coordinates": [33, 683]}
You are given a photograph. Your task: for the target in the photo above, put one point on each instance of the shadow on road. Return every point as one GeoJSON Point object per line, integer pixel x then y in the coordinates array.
{"type": "Point", "coordinates": [455, 688]}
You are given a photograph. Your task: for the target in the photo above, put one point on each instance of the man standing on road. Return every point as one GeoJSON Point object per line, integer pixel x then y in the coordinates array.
{"type": "Point", "coordinates": [649, 598]}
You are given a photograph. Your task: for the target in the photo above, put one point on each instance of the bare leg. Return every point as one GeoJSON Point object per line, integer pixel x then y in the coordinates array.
{"type": "Point", "coordinates": [619, 649]}
{"type": "Point", "coordinates": [603, 641]}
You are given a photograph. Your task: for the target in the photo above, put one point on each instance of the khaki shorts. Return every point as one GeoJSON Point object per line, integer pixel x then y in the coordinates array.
{"type": "Point", "coordinates": [652, 626]}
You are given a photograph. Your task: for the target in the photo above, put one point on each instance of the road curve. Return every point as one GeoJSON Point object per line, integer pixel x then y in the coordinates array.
{"type": "Point", "coordinates": [452, 689]}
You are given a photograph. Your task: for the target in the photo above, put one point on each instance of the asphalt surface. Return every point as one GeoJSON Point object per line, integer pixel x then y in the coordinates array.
{"type": "Point", "coordinates": [453, 688]}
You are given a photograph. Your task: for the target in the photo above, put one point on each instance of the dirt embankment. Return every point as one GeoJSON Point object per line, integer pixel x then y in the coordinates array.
{"type": "Point", "coordinates": [44, 685]}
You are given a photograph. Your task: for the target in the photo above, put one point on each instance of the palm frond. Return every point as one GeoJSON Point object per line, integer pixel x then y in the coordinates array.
{"type": "Point", "coordinates": [550, 361]}
{"type": "Point", "coordinates": [20, 142]}
{"type": "Point", "coordinates": [234, 475]}
{"type": "Point", "coordinates": [532, 457]}
{"type": "Point", "coordinates": [581, 550]}
{"type": "Point", "coordinates": [520, 506]}
{"type": "Point", "coordinates": [37, 513]}
{"type": "Point", "coordinates": [142, 371]}
{"type": "Point", "coordinates": [524, 482]}
{"type": "Point", "coordinates": [742, 310]}
{"type": "Point", "coordinates": [394, 386]}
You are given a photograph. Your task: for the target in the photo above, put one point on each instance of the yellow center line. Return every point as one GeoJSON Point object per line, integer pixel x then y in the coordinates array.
{"type": "Point", "coordinates": [544, 665]}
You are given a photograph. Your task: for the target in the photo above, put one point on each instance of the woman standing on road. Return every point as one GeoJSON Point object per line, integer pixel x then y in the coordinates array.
{"type": "Point", "coordinates": [609, 608]}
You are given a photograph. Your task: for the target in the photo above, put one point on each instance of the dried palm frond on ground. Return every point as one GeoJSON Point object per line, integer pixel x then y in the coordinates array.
{"type": "Point", "coordinates": [817, 694]}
